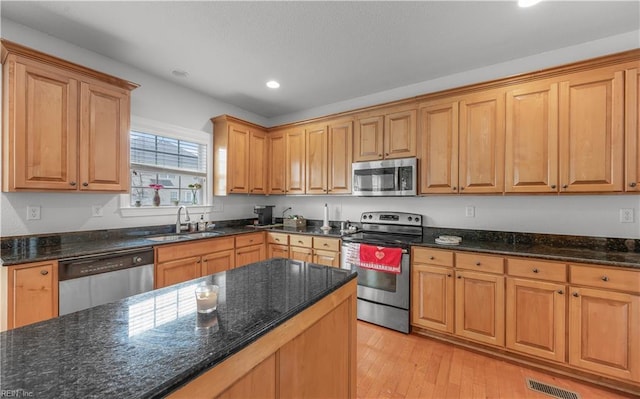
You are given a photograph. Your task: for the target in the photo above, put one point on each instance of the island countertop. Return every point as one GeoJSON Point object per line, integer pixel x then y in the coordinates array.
{"type": "Point", "coordinates": [148, 345]}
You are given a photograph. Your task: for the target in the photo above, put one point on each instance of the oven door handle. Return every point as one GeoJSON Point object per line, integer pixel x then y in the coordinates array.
{"type": "Point", "coordinates": [348, 245]}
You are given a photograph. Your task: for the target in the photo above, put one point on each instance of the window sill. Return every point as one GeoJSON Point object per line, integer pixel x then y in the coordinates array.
{"type": "Point", "coordinates": [131, 211]}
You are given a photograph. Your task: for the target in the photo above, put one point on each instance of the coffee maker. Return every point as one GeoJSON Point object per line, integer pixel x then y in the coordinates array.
{"type": "Point", "coordinates": [264, 213]}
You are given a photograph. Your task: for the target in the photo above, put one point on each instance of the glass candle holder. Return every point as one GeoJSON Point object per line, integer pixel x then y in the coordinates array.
{"type": "Point", "coordinates": [207, 298]}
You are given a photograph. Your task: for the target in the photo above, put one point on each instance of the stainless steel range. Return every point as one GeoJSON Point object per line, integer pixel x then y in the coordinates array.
{"type": "Point", "coordinates": [383, 297]}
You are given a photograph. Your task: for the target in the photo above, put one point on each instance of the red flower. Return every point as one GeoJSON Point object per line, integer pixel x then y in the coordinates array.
{"type": "Point", "coordinates": [156, 186]}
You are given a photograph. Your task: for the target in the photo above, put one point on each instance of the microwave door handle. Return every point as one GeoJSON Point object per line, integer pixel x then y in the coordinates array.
{"type": "Point", "coordinates": [396, 179]}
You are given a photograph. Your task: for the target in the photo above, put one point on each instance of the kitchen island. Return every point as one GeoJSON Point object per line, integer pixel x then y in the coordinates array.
{"type": "Point", "coordinates": [273, 317]}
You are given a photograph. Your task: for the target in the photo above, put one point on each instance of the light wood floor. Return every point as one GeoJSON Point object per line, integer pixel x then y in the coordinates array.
{"type": "Point", "coordinates": [395, 365]}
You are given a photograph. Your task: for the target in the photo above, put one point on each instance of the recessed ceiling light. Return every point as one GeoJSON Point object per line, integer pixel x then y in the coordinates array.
{"type": "Point", "coordinates": [179, 73]}
{"type": "Point", "coordinates": [272, 84]}
{"type": "Point", "coordinates": [528, 3]}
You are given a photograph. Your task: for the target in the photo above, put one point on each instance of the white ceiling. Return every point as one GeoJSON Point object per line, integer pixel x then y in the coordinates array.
{"type": "Point", "coordinates": [320, 52]}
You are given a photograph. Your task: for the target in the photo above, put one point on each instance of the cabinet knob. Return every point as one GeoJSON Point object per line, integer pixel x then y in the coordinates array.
{"type": "Point", "coordinates": [85, 184]}
{"type": "Point", "coordinates": [277, 239]}
{"type": "Point", "coordinates": [461, 188]}
{"type": "Point", "coordinates": [553, 186]}
{"type": "Point", "coordinates": [576, 294]}
{"type": "Point", "coordinates": [449, 275]}
{"type": "Point", "coordinates": [477, 263]}
{"type": "Point", "coordinates": [325, 244]}
{"type": "Point", "coordinates": [605, 278]}
{"type": "Point", "coordinates": [72, 183]}
{"type": "Point", "coordinates": [565, 186]}
{"type": "Point", "coordinates": [459, 276]}
{"type": "Point", "coordinates": [300, 242]}
{"type": "Point", "coordinates": [44, 272]}
{"type": "Point", "coordinates": [632, 184]}
{"type": "Point", "coordinates": [535, 270]}
{"type": "Point", "coordinates": [560, 292]}
{"type": "Point", "coordinates": [379, 155]}
{"type": "Point", "coordinates": [454, 188]}
{"type": "Point", "coordinates": [431, 258]}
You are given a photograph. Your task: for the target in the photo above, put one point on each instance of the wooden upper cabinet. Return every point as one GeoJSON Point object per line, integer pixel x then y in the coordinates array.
{"type": "Point", "coordinates": [66, 128]}
{"type": "Point", "coordinates": [632, 129]}
{"type": "Point", "coordinates": [104, 137]}
{"type": "Point", "coordinates": [591, 131]}
{"type": "Point", "coordinates": [295, 161]}
{"type": "Point", "coordinates": [316, 159]}
{"type": "Point", "coordinates": [277, 162]}
{"type": "Point", "coordinates": [340, 157]}
{"type": "Point", "coordinates": [400, 134]}
{"type": "Point", "coordinates": [481, 156]}
{"type": "Point", "coordinates": [240, 160]}
{"type": "Point", "coordinates": [531, 153]}
{"type": "Point", "coordinates": [368, 139]}
{"type": "Point", "coordinates": [258, 170]}
{"type": "Point", "coordinates": [386, 136]}
{"type": "Point", "coordinates": [439, 147]}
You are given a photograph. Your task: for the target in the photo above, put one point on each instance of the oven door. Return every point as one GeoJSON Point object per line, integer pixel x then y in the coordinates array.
{"type": "Point", "coordinates": [381, 287]}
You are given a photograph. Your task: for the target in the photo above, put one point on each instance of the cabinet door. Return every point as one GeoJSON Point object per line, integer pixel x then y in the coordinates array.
{"type": "Point", "coordinates": [432, 297]}
{"type": "Point", "coordinates": [260, 382]}
{"type": "Point", "coordinates": [277, 163]}
{"type": "Point", "coordinates": [218, 262]}
{"type": "Point", "coordinates": [238, 159]}
{"type": "Point", "coordinates": [481, 157]}
{"type": "Point", "coordinates": [604, 332]}
{"type": "Point", "coordinates": [327, 258]}
{"type": "Point", "coordinates": [632, 129]}
{"type": "Point", "coordinates": [296, 169]}
{"type": "Point", "coordinates": [340, 157]}
{"type": "Point", "coordinates": [367, 139]}
{"type": "Point", "coordinates": [400, 134]}
{"type": "Point", "coordinates": [479, 307]}
{"type": "Point", "coordinates": [531, 157]}
{"type": "Point", "coordinates": [42, 126]}
{"type": "Point", "coordinates": [439, 148]}
{"type": "Point", "coordinates": [591, 131]}
{"type": "Point", "coordinates": [250, 254]}
{"type": "Point", "coordinates": [32, 293]}
{"type": "Point", "coordinates": [536, 318]}
{"type": "Point", "coordinates": [177, 271]}
{"type": "Point", "coordinates": [301, 254]}
{"type": "Point", "coordinates": [316, 160]}
{"type": "Point", "coordinates": [277, 251]}
{"type": "Point", "coordinates": [104, 138]}
{"type": "Point", "coordinates": [258, 175]}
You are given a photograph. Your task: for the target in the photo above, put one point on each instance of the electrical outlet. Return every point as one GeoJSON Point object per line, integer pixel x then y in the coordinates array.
{"type": "Point", "coordinates": [217, 206]}
{"type": "Point", "coordinates": [470, 211]}
{"type": "Point", "coordinates": [626, 215]}
{"type": "Point", "coordinates": [97, 211]}
{"type": "Point", "coordinates": [33, 212]}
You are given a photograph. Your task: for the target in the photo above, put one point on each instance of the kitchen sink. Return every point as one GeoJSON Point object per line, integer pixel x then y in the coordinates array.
{"type": "Point", "coordinates": [173, 237]}
{"type": "Point", "coordinates": [203, 234]}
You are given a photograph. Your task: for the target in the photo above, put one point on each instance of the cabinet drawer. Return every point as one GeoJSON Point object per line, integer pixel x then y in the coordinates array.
{"type": "Point", "coordinates": [624, 280]}
{"type": "Point", "coordinates": [221, 244]}
{"type": "Point", "coordinates": [300, 241]}
{"type": "Point", "coordinates": [432, 256]}
{"type": "Point", "coordinates": [278, 238]}
{"type": "Point", "coordinates": [485, 263]}
{"type": "Point", "coordinates": [171, 252]}
{"type": "Point", "coordinates": [327, 244]}
{"type": "Point", "coordinates": [249, 239]}
{"type": "Point", "coordinates": [533, 268]}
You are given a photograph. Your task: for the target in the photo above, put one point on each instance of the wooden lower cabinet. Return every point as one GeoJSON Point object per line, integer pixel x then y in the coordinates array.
{"type": "Point", "coordinates": [479, 308]}
{"type": "Point", "coordinates": [250, 254]}
{"type": "Point", "coordinates": [312, 355]}
{"type": "Point", "coordinates": [432, 298]}
{"type": "Point", "coordinates": [32, 293]}
{"type": "Point", "coordinates": [326, 258]}
{"type": "Point", "coordinates": [535, 318]}
{"type": "Point", "coordinates": [177, 271]}
{"type": "Point", "coordinates": [301, 253]}
{"type": "Point", "coordinates": [218, 262]}
{"type": "Point", "coordinates": [277, 251]}
{"type": "Point", "coordinates": [604, 332]}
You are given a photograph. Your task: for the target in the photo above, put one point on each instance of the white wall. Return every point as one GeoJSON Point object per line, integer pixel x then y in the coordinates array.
{"type": "Point", "coordinates": [166, 102]}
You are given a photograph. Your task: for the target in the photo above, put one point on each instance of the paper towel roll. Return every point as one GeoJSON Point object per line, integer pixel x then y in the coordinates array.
{"type": "Point", "coordinates": [325, 220]}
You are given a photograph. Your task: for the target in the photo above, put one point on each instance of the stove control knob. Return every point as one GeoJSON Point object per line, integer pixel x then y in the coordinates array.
{"type": "Point", "coordinates": [417, 220]}
{"type": "Point", "coordinates": [370, 217]}
{"type": "Point", "coordinates": [410, 218]}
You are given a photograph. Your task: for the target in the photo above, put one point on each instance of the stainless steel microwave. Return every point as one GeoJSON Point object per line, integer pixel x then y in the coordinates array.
{"type": "Point", "coordinates": [393, 177]}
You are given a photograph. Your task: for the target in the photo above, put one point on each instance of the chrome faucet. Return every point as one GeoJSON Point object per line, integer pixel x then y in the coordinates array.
{"type": "Point", "coordinates": [186, 219]}
{"type": "Point", "coordinates": [283, 212]}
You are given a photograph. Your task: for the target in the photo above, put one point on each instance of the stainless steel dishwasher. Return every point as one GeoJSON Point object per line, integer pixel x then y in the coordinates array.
{"type": "Point", "coordinates": [94, 280]}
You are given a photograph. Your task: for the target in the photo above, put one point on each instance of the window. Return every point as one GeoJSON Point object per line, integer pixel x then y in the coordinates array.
{"type": "Point", "coordinates": [169, 158]}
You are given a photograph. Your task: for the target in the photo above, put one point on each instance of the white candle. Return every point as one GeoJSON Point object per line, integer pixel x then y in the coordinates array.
{"type": "Point", "coordinates": [326, 216]}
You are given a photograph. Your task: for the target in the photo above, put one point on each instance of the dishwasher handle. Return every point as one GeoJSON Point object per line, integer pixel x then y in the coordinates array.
{"type": "Point", "coordinates": [103, 263]}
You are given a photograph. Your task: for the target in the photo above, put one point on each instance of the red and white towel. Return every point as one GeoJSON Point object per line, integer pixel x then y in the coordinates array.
{"type": "Point", "coordinates": [380, 258]}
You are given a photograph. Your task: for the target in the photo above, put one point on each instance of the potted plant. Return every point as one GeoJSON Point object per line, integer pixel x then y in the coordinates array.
{"type": "Point", "coordinates": [156, 195]}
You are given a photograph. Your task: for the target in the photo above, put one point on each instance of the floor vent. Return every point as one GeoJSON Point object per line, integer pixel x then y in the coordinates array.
{"type": "Point", "coordinates": [551, 390]}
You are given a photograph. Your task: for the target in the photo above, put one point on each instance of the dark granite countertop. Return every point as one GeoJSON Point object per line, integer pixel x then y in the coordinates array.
{"type": "Point", "coordinates": [26, 249]}
{"type": "Point", "coordinates": [148, 345]}
{"type": "Point", "coordinates": [565, 248]}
